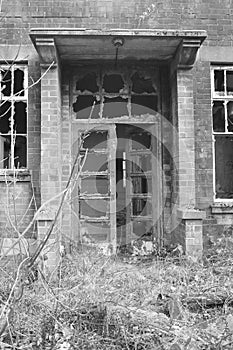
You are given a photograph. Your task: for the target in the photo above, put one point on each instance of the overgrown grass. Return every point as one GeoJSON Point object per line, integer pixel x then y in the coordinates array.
{"type": "Point", "coordinates": [99, 302]}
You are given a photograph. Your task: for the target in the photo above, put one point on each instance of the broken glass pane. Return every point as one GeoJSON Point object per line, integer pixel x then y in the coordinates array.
{"type": "Point", "coordinates": [5, 148]}
{"type": "Point", "coordinates": [19, 82]}
{"type": "Point", "coordinates": [93, 208]}
{"type": "Point", "coordinates": [218, 80]}
{"type": "Point", "coordinates": [87, 83]}
{"type": "Point", "coordinates": [141, 207]}
{"type": "Point", "coordinates": [84, 107]}
{"type": "Point", "coordinates": [230, 116]}
{"type": "Point", "coordinates": [94, 231]}
{"type": "Point", "coordinates": [94, 185]}
{"type": "Point", "coordinates": [224, 166]}
{"type": "Point", "coordinates": [6, 82]}
{"type": "Point", "coordinates": [95, 162]}
{"type": "Point", "coordinates": [20, 117]}
{"type": "Point", "coordinates": [5, 114]}
{"type": "Point", "coordinates": [113, 83]}
{"type": "Point", "coordinates": [141, 140]}
{"type": "Point", "coordinates": [229, 82]}
{"type": "Point", "coordinates": [115, 107]}
{"type": "Point", "coordinates": [142, 228]}
{"type": "Point", "coordinates": [95, 139]}
{"type": "Point", "coordinates": [218, 116]}
{"type": "Point", "coordinates": [141, 84]}
{"type": "Point", "coordinates": [141, 163]}
{"type": "Point", "coordinates": [142, 104]}
{"type": "Point", "coordinates": [140, 184]}
{"type": "Point", "coordinates": [20, 156]}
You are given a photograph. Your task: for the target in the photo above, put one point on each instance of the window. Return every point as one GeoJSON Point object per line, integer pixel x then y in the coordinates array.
{"type": "Point", "coordinates": [13, 116]}
{"type": "Point", "coordinates": [222, 114]}
{"type": "Point", "coordinates": [110, 93]}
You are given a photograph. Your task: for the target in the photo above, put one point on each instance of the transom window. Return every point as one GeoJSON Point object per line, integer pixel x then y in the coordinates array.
{"type": "Point", "coordinates": [13, 116]}
{"type": "Point", "coordinates": [110, 93]}
{"type": "Point", "coordinates": [222, 113]}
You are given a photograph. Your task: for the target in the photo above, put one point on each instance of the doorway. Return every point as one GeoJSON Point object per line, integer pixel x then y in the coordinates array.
{"type": "Point", "coordinates": [118, 188]}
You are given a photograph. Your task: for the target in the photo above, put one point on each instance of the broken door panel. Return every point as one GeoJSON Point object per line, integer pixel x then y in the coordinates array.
{"type": "Point", "coordinates": [143, 194]}
{"type": "Point", "coordinates": [96, 139]}
{"type": "Point", "coordinates": [94, 162]}
{"type": "Point", "coordinates": [97, 183]}
{"type": "Point", "coordinates": [94, 208]}
{"type": "Point", "coordinates": [95, 232]}
{"type": "Point", "coordinates": [6, 82]}
{"type": "Point", "coordinates": [141, 206]}
{"type": "Point", "coordinates": [141, 184]}
{"type": "Point", "coordinates": [141, 163]}
{"type": "Point", "coordinates": [94, 185]}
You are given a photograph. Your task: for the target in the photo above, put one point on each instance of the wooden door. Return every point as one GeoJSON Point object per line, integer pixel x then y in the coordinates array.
{"type": "Point", "coordinates": [143, 189]}
{"type": "Point", "coordinates": [96, 185]}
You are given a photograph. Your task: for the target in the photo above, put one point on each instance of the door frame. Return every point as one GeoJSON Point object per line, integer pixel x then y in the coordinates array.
{"type": "Point", "coordinates": [153, 121]}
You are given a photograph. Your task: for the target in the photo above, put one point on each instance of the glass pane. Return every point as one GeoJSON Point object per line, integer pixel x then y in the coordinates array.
{"type": "Point", "coordinates": [144, 104]}
{"type": "Point", "coordinates": [87, 83]}
{"type": "Point", "coordinates": [230, 116]}
{"type": "Point", "coordinates": [142, 228]}
{"type": "Point", "coordinates": [141, 207]}
{"type": "Point", "coordinates": [224, 166]}
{"type": "Point", "coordinates": [94, 184]}
{"type": "Point", "coordinates": [113, 83]}
{"type": "Point", "coordinates": [6, 82]}
{"type": "Point", "coordinates": [141, 163]}
{"type": "Point", "coordinates": [229, 82]}
{"type": "Point", "coordinates": [95, 139]}
{"type": "Point", "coordinates": [5, 152]}
{"type": "Point", "coordinates": [5, 115]}
{"type": "Point", "coordinates": [115, 107]}
{"type": "Point", "coordinates": [20, 117]}
{"type": "Point", "coordinates": [20, 158]}
{"type": "Point", "coordinates": [95, 162]}
{"type": "Point", "coordinates": [142, 84]}
{"type": "Point", "coordinates": [141, 184]}
{"type": "Point", "coordinates": [218, 116]}
{"type": "Point", "coordinates": [218, 80]}
{"type": "Point", "coordinates": [84, 107]}
{"type": "Point", "coordinates": [19, 82]}
{"type": "Point", "coordinates": [141, 140]}
{"type": "Point", "coordinates": [94, 232]}
{"type": "Point", "coordinates": [93, 208]}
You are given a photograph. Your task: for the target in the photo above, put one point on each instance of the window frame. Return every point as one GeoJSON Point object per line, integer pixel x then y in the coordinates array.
{"type": "Point", "coordinates": [12, 98]}
{"type": "Point", "coordinates": [225, 98]}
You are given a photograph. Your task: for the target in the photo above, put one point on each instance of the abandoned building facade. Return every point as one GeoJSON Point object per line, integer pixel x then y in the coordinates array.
{"type": "Point", "coordinates": [122, 112]}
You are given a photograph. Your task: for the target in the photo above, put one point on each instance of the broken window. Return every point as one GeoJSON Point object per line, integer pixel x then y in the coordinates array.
{"type": "Point", "coordinates": [114, 93]}
{"type": "Point", "coordinates": [222, 113]}
{"type": "Point", "coordinates": [13, 117]}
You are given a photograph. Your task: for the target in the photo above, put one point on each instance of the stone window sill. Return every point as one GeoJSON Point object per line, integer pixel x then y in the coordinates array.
{"type": "Point", "coordinates": [222, 208]}
{"type": "Point", "coordinates": [18, 175]}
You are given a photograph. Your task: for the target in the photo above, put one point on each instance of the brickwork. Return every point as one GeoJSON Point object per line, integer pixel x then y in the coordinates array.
{"type": "Point", "coordinates": [189, 172]}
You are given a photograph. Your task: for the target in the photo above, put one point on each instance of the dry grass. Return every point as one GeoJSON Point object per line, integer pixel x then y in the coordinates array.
{"type": "Point", "coordinates": [109, 303]}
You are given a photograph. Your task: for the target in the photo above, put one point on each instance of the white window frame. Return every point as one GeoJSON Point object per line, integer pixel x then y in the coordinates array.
{"type": "Point", "coordinates": [220, 96]}
{"type": "Point", "coordinates": [12, 99]}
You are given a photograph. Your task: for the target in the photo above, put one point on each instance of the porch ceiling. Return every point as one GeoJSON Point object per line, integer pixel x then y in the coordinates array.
{"type": "Point", "coordinates": [73, 45]}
